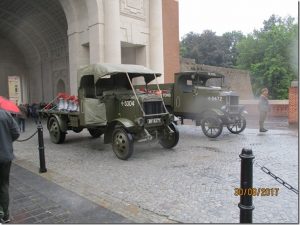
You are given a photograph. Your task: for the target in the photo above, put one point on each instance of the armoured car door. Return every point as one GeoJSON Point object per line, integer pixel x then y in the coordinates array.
{"type": "Point", "coordinates": [183, 101]}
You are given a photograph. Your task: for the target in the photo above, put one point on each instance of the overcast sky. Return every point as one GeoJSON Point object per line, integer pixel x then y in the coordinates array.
{"type": "Point", "coordinates": [223, 16]}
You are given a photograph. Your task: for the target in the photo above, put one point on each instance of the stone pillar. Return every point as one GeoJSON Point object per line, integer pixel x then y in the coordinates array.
{"type": "Point", "coordinates": [78, 56]}
{"type": "Point", "coordinates": [112, 33]}
{"type": "Point", "coordinates": [156, 37]}
{"type": "Point", "coordinates": [96, 43]}
{"type": "Point", "coordinates": [293, 103]}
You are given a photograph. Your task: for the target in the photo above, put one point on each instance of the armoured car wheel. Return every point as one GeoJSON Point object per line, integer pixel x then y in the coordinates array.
{"type": "Point", "coordinates": [77, 129]}
{"type": "Point", "coordinates": [170, 141]}
{"type": "Point", "coordinates": [122, 143]}
{"type": "Point", "coordinates": [212, 127]}
{"type": "Point", "coordinates": [94, 132]}
{"type": "Point", "coordinates": [238, 126]}
{"type": "Point", "coordinates": [56, 135]}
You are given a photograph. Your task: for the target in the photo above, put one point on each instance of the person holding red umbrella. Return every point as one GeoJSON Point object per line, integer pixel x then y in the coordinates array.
{"type": "Point", "coordinates": [9, 132]}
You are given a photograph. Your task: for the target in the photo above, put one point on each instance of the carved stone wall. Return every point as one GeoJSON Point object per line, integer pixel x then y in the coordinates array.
{"type": "Point", "coordinates": [133, 8]}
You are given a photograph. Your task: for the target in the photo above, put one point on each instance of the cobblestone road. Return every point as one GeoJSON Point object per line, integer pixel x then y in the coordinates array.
{"type": "Point", "coordinates": [193, 183]}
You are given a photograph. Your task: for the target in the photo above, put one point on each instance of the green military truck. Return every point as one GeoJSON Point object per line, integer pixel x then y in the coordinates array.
{"type": "Point", "coordinates": [109, 105]}
{"type": "Point", "coordinates": [200, 96]}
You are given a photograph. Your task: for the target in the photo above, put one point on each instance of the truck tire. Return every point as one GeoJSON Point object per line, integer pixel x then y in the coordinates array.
{"type": "Point", "coordinates": [57, 136]}
{"type": "Point", "coordinates": [239, 126]}
{"type": "Point", "coordinates": [94, 132]}
{"type": "Point", "coordinates": [170, 142]}
{"type": "Point", "coordinates": [212, 126]}
{"type": "Point", "coordinates": [122, 143]}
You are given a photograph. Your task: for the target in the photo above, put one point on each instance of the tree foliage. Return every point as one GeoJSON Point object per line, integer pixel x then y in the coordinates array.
{"type": "Point", "coordinates": [271, 56]}
{"type": "Point", "coordinates": [210, 49]}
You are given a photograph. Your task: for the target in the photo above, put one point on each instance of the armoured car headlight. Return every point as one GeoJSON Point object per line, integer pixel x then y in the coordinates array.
{"type": "Point", "coordinates": [140, 121]}
{"type": "Point", "coordinates": [223, 108]}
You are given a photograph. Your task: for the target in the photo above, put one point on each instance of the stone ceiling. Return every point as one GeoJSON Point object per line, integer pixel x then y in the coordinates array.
{"type": "Point", "coordinates": [38, 28]}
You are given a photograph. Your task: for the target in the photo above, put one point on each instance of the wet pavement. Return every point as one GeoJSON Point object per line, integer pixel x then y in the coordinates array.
{"type": "Point", "coordinates": [193, 183]}
{"type": "Point", "coordinates": [38, 200]}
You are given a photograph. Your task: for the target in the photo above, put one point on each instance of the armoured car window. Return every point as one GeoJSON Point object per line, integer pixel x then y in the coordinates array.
{"type": "Point", "coordinates": [87, 84]}
{"type": "Point", "coordinates": [138, 80]}
{"type": "Point", "coordinates": [104, 84]}
{"type": "Point", "coordinates": [183, 84]}
{"type": "Point", "coordinates": [121, 82]}
{"type": "Point", "coordinates": [216, 82]}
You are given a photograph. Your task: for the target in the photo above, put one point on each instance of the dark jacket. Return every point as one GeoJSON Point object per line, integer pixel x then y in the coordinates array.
{"type": "Point", "coordinates": [9, 132]}
{"type": "Point", "coordinates": [263, 104]}
{"type": "Point", "coordinates": [23, 112]}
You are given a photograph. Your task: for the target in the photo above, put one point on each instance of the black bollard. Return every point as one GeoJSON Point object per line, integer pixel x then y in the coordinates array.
{"type": "Point", "coordinates": [41, 148]}
{"type": "Point", "coordinates": [245, 205]}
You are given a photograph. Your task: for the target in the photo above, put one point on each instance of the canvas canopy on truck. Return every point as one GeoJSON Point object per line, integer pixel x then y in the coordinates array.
{"type": "Point", "coordinates": [101, 70]}
{"type": "Point", "coordinates": [91, 86]}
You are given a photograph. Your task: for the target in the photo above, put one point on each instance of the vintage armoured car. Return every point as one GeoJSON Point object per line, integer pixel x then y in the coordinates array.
{"type": "Point", "coordinates": [200, 96]}
{"type": "Point", "coordinates": [109, 105]}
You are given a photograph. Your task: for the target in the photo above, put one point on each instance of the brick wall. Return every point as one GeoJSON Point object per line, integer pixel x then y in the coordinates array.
{"type": "Point", "coordinates": [278, 108]}
{"type": "Point", "coordinates": [171, 39]}
{"type": "Point", "coordinates": [293, 107]}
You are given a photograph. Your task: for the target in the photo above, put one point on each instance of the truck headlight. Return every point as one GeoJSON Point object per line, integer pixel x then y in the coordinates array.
{"type": "Point", "coordinates": [140, 121]}
{"type": "Point", "coordinates": [171, 118]}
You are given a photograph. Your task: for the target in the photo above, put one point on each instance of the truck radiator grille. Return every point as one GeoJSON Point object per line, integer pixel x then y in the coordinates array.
{"type": "Point", "coordinates": [234, 100]}
{"type": "Point", "coordinates": [154, 107]}
{"type": "Point", "coordinates": [234, 106]}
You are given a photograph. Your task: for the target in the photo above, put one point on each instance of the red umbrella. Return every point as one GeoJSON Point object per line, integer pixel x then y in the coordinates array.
{"type": "Point", "coordinates": [8, 105]}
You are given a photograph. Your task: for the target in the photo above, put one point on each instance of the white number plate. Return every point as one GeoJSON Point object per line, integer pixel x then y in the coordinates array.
{"type": "Point", "coordinates": [154, 120]}
{"type": "Point", "coordinates": [215, 98]}
{"type": "Point", "coordinates": [127, 103]}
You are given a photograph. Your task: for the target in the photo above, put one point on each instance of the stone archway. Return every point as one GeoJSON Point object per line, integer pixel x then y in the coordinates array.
{"type": "Point", "coordinates": [38, 49]}
{"type": "Point", "coordinates": [85, 34]}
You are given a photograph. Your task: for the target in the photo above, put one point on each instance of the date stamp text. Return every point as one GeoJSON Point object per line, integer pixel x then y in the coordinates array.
{"type": "Point", "coordinates": [256, 191]}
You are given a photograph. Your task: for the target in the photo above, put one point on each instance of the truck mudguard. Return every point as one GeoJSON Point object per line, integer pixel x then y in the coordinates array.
{"type": "Point", "coordinates": [214, 111]}
{"type": "Point", "coordinates": [122, 122]}
{"type": "Point", "coordinates": [125, 122]}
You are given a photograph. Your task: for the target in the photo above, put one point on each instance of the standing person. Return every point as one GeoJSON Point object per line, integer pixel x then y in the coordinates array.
{"type": "Point", "coordinates": [21, 117]}
{"type": "Point", "coordinates": [263, 108]}
{"type": "Point", "coordinates": [34, 112]}
{"type": "Point", "coordinates": [9, 132]}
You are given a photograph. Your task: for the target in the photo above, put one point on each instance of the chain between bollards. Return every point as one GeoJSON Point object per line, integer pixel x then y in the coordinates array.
{"type": "Point", "coordinates": [41, 148]}
{"type": "Point", "coordinates": [245, 205]}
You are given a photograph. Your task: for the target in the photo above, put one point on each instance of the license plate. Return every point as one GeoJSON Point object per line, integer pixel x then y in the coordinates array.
{"type": "Point", "coordinates": [154, 120]}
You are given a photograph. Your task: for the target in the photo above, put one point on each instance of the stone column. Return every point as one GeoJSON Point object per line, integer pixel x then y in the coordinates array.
{"type": "Point", "coordinates": [156, 37]}
{"type": "Point", "coordinates": [112, 33]}
{"type": "Point", "coordinates": [96, 43]}
{"type": "Point", "coordinates": [78, 56]}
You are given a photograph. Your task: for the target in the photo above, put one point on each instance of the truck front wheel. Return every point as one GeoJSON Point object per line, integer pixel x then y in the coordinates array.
{"type": "Point", "coordinates": [170, 140]}
{"type": "Point", "coordinates": [56, 135]}
{"type": "Point", "coordinates": [238, 126]}
{"type": "Point", "coordinates": [212, 126]}
{"type": "Point", "coordinates": [122, 143]}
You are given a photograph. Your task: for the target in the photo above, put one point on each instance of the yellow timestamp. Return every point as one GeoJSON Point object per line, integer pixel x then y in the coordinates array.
{"type": "Point", "coordinates": [256, 191]}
